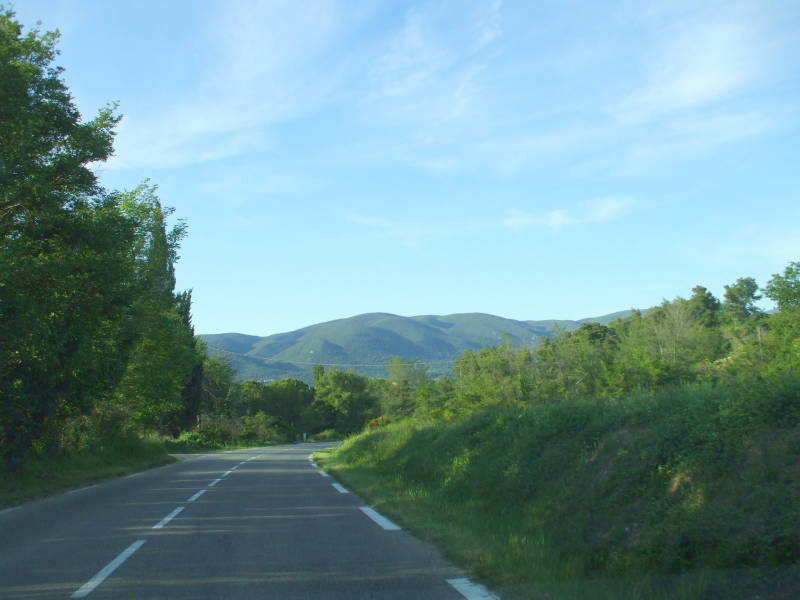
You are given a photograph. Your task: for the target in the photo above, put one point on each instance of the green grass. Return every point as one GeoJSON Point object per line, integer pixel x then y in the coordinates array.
{"type": "Point", "coordinates": [42, 475]}
{"type": "Point", "coordinates": [688, 493]}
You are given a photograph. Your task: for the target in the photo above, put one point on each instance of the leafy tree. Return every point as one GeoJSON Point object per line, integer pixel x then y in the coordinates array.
{"type": "Point", "coordinates": [220, 391]}
{"type": "Point", "coordinates": [436, 400]}
{"type": "Point", "coordinates": [638, 364]}
{"type": "Point", "coordinates": [288, 399]}
{"type": "Point", "coordinates": [191, 397]}
{"type": "Point", "coordinates": [64, 244]}
{"type": "Point", "coordinates": [347, 394]}
{"type": "Point", "coordinates": [404, 370]}
{"type": "Point", "coordinates": [65, 327]}
{"type": "Point", "coordinates": [397, 394]}
{"type": "Point", "coordinates": [740, 299]}
{"type": "Point", "coordinates": [492, 376]}
{"type": "Point", "coordinates": [576, 363]}
{"type": "Point", "coordinates": [784, 289]}
{"type": "Point", "coordinates": [704, 307]}
{"type": "Point", "coordinates": [45, 149]}
{"type": "Point", "coordinates": [165, 355]}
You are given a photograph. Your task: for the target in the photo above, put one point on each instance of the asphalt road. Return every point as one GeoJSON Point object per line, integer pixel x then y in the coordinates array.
{"type": "Point", "coordinates": [260, 523]}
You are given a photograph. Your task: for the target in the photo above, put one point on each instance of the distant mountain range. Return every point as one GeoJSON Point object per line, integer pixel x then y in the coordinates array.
{"type": "Point", "coordinates": [365, 342]}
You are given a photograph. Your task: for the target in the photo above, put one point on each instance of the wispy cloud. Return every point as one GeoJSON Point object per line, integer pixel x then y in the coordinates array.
{"type": "Point", "coordinates": [437, 89]}
{"type": "Point", "coordinates": [490, 23]}
{"type": "Point", "coordinates": [409, 235]}
{"type": "Point", "coordinates": [600, 210]}
{"type": "Point", "coordinates": [705, 62]}
{"type": "Point", "coordinates": [268, 63]}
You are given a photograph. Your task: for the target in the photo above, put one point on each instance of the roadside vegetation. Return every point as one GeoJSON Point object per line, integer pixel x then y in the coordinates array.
{"type": "Point", "coordinates": [656, 457]}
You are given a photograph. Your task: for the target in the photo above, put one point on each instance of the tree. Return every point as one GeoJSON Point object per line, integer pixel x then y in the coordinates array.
{"type": "Point", "coordinates": [165, 355]}
{"type": "Point", "coordinates": [784, 289]}
{"type": "Point", "coordinates": [704, 307]}
{"type": "Point", "coordinates": [64, 271]}
{"type": "Point", "coordinates": [398, 395]}
{"type": "Point", "coordinates": [409, 371]}
{"type": "Point", "coordinates": [65, 320]}
{"type": "Point", "coordinates": [219, 389]}
{"type": "Point", "coordinates": [347, 394]}
{"type": "Point", "coordinates": [287, 400]}
{"type": "Point", "coordinates": [492, 376]}
{"type": "Point", "coordinates": [44, 146]}
{"type": "Point", "coordinates": [740, 299]}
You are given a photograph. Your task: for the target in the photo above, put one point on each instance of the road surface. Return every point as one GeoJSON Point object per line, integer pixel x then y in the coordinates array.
{"type": "Point", "coordinates": [258, 523]}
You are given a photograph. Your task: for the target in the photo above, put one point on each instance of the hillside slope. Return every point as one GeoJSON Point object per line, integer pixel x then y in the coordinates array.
{"type": "Point", "coordinates": [365, 342]}
{"type": "Point", "coordinates": [689, 492]}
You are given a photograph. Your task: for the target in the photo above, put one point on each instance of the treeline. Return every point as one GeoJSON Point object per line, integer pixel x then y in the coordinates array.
{"type": "Point", "coordinates": [699, 339]}
{"type": "Point", "coordinates": [682, 341]}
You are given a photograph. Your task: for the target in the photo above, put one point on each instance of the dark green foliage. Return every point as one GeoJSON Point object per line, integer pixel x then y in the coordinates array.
{"type": "Point", "coordinates": [286, 400]}
{"type": "Point", "coordinates": [785, 289]}
{"type": "Point", "coordinates": [344, 399]}
{"type": "Point", "coordinates": [44, 146]}
{"type": "Point", "coordinates": [89, 322]}
{"type": "Point", "coordinates": [741, 298]}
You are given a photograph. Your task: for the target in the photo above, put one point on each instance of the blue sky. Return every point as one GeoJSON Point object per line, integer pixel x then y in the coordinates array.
{"type": "Point", "coordinates": [534, 160]}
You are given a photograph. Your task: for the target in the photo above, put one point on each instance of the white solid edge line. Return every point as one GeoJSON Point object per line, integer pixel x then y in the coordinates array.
{"type": "Point", "coordinates": [340, 489]}
{"type": "Point", "coordinates": [168, 518]}
{"type": "Point", "coordinates": [315, 465]}
{"type": "Point", "coordinates": [101, 575]}
{"type": "Point", "coordinates": [471, 591]}
{"type": "Point", "coordinates": [215, 482]}
{"type": "Point", "coordinates": [323, 473]}
{"type": "Point", "coordinates": [379, 518]}
{"type": "Point", "coordinates": [82, 489]}
{"type": "Point", "coordinates": [196, 496]}
{"type": "Point", "coordinates": [8, 510]}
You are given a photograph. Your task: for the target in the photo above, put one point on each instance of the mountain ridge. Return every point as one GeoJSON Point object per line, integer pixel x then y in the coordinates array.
{"type": "Point", "coordinates": [366, 341]}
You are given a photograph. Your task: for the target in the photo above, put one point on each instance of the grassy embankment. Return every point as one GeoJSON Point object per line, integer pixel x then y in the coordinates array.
{"type": "Point", "coordinates": [43, 475]}
{"type": "Point", "coordinates": [686, 493]}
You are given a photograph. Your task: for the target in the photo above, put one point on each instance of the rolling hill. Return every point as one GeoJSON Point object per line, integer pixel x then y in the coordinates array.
{"type": "Point", "coordinates": [365, 342]}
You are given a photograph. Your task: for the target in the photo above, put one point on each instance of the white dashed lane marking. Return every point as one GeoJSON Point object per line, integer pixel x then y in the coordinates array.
{"type": "Point", "coordinates": [101, 575]}
{"type": "Point", "coordinates": [472, 591]}
{"type": "Point", "coordinates": [196, 496]}
{"type": "Point", "coordinates": [379, 518]}
{"type": "Point", "coordinates": [168, 518]}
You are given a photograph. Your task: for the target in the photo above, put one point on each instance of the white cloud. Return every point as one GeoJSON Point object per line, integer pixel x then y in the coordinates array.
{"type": "Point", "coordinates": [599, 210]}
{"type": "Point", "coordinates": [490, 23]}
{"type": "Point", "coordinates": [408, 235]}
{"type": "Point", "coordinates": [271, 64]}
{"type": "Point", "coordinates": [706, 62]}
{"type": "Point", "coordinates": [412, 60]}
